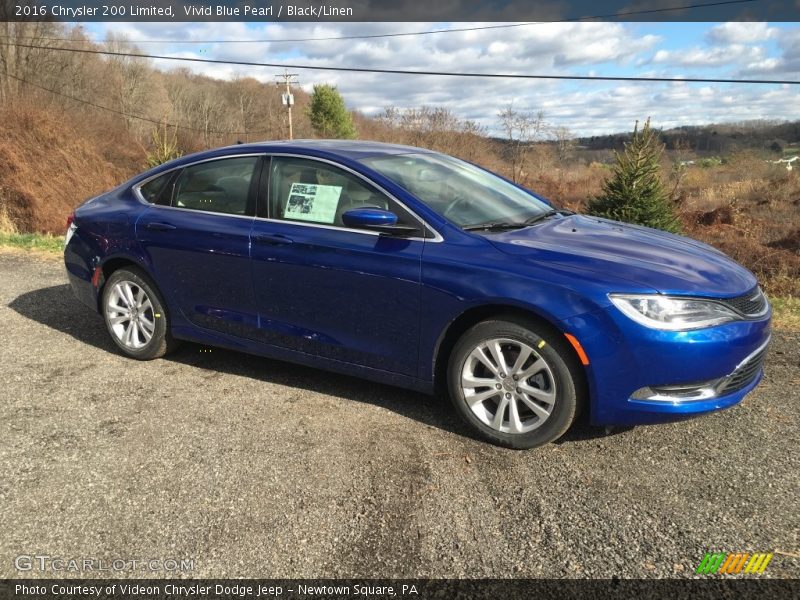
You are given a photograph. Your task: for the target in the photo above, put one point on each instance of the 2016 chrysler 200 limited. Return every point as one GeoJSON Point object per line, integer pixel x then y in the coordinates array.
{"type": "Point", "coordinates": [413, 268]}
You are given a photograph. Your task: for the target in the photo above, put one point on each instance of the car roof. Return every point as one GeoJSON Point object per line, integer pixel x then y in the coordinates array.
{"type": "Point", "coordinates": [333, 149]}
{"type": "Point", "coordinates": [352, 149]}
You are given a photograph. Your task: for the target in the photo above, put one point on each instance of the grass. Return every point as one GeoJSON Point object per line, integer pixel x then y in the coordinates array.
{"type": "Point", "coordinates": [33, 241]}
{"type": "Point", "coordinates": [786, 312]}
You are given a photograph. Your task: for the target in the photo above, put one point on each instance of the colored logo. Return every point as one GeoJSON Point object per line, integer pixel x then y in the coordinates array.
{"type": "Point", "coordinates": [733, 563]}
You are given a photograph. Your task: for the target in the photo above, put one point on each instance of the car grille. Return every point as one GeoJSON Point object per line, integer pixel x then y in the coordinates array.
{"type": "Point", "coordinates": [744, 373]}
{"type": "Point", "coordinates": [751, 304]}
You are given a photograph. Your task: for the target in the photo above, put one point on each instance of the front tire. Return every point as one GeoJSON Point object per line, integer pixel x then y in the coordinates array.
{"type": "Point", "coordinates": [135, 315]}
{"type": "Point", "coordinates": [515, 382]}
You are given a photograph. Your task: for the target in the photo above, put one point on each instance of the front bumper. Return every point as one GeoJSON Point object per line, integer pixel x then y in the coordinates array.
{"type": "Point", "coordinates": [741, 377]}
{"type": "Point", "coordinates": [639, 375]}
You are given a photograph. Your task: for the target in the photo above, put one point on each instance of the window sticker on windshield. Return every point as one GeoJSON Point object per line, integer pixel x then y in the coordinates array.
{"type": "Point", "coordinates": [312, 202]}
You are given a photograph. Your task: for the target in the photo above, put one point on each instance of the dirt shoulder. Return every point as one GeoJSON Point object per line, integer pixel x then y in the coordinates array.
{"type": "Point", "coordinates": [257, 467]}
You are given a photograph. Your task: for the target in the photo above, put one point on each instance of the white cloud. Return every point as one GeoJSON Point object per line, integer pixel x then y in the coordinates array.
{"type": "Point", "coordinates": [740, 33]}
{"type": "Point", "coordinates": [596, 111]}
{"type": "Point", "coordinates": [785, 66]}
{"type": "Point", "coordinates": [553, 48]}
{"type": "Point", "coordinates": [710, 57]}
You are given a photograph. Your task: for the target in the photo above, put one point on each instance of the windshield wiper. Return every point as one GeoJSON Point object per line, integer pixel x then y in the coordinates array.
{"type": "Point", "coordinates": [506, 225]}
{"type": "Point", "coordinates": [494, 226]}
{"type": "Point", "coordinates": [546, 215]}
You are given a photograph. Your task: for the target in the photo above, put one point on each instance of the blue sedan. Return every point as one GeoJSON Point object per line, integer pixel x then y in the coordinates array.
{"type": "Point", "coordinates": [413, 268]}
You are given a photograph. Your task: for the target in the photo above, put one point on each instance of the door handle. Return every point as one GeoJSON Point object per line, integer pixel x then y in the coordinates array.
{"type": "Point", "coordinates": [276, 239]}
{"type": "Point", "coordinates": [160, 227]}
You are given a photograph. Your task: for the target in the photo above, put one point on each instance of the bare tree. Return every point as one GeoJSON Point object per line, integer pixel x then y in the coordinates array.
{"type": "Point", "coordinates": [521, 129]}
{"type": "Point", "coordinates": [390, 116]}
{"type": "Point", "coordinates": [437, 128]}
{"type": "Point", "coordinates": [131, 79]}
{"type": "Point", "coordinates": [25, 63]}
{"type": "Point", "coordinates": [565, 142]}
{"type": "Point", "coordinates": [243, 93]}
{"type": "Point", "coordinates": [681, 152]}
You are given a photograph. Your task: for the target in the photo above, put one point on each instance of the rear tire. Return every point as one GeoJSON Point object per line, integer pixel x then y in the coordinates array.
{"type": "Point", "coordinates": [516, 383]}
{"type": "Point", "coordinates": [135, 315]}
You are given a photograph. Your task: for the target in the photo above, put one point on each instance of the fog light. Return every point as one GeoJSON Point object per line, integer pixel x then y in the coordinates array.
{"type": "Point", "coordinates": [743, 375]}
{"type": "Point", "coordinates": [677, 393]}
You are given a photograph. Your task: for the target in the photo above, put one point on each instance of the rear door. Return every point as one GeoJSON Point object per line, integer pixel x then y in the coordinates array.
{"type": "Point", "coordinates": [197, 235]}
{"type": "Point", "coordinates": [324, 289]}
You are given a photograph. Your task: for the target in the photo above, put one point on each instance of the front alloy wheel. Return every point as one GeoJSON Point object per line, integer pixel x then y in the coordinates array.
{"type": "Point", "coordinates": [516, 382]}
{"type": "Point", "coordinates": [508, 385]}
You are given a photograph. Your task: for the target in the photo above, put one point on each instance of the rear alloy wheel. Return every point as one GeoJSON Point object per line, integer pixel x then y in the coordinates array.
{"type": "Point", "coordinates": [515, 386]}
{"type": "Point", "coordinates": [135, 316]}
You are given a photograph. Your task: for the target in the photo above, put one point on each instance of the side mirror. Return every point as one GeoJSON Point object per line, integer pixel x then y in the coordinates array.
{"type": "Point", "coordinates": [376, 219]}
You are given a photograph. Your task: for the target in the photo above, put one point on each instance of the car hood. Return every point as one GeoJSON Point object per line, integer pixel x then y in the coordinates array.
{"type": "Point", "coordinates": [665, 262]}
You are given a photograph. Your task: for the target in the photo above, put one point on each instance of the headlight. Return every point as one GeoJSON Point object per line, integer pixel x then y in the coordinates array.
{"type": "Point", "coordinates": [672, 313]}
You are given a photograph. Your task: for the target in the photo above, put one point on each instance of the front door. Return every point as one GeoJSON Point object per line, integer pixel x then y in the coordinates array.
{"type": "Point", "coordinates": [324, 289]}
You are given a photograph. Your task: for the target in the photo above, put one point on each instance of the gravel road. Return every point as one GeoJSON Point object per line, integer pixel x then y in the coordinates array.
{"type": "Point", "coordinates": [253, 467]}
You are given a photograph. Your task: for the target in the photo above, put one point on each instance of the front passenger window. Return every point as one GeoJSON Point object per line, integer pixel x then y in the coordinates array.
{"type": "Point", "coordinates": [316, 192]}
{"type": "Point", "coordinates": [221, 186]}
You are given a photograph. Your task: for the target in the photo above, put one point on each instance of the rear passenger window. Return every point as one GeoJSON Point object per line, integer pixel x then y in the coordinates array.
{"type": "Point", "coordinates": [221, 186]}
{"type": "Point", "coordinates": [154, 190]}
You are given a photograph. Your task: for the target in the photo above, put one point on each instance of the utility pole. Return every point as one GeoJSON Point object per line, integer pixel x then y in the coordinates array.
{"type": "Point", "coordinates": [288, 98]}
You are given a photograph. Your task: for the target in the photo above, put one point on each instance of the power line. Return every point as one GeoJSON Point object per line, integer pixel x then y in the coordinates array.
{"type": "Point", "coordinates": [410, 72]}
{"type": "Point", "coordinates": [131, 116]}
{"type": "Point", "coordinates": [411, 33]}
{"type": "Point", "coordinates": [128, 115]}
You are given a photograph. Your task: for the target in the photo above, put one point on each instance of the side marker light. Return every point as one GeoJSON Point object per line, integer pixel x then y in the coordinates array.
{"type": "Point", "coordinates": [578, 348]}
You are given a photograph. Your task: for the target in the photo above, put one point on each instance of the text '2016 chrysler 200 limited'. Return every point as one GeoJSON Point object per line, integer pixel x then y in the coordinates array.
{"type": "Point", "coordinates": [413, 268]}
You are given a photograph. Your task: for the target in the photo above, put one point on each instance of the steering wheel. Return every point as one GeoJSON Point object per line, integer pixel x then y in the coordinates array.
{"type": "Point", "coordinates": [455, 203]}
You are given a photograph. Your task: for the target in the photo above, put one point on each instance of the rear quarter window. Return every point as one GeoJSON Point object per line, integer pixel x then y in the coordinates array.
{"type": "Point", "coordinates": [154, 191]}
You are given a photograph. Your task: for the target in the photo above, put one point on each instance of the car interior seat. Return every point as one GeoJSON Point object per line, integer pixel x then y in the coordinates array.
{"type": "Point", "coordinates": [198, 192]}
{"type": "Point", "coordinates": [355, 196]}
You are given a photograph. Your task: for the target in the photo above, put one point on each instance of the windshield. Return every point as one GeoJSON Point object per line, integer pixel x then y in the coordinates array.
{"type": "Point", "coordinates": [462, 193]}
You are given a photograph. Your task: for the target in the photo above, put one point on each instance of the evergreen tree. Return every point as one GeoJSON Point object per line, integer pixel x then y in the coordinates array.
{"type": "Point", "coordinates": [165, 147]}
{"type": "Point", "coordinates": [328, 115]}
{"type": "Point", "coordinates": [634, 193]}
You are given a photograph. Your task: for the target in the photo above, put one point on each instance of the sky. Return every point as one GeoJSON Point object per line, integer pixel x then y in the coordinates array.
{"type": "Point", "coordinates": [710, 50]}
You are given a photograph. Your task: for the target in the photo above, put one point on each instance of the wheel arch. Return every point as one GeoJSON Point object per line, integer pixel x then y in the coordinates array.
{"type": "Point", "coordinates": [161, 331]}
{"type": "Point", "coordinates": [114, 263]}
{"type": "Point", "coordinates": [476, 314]}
